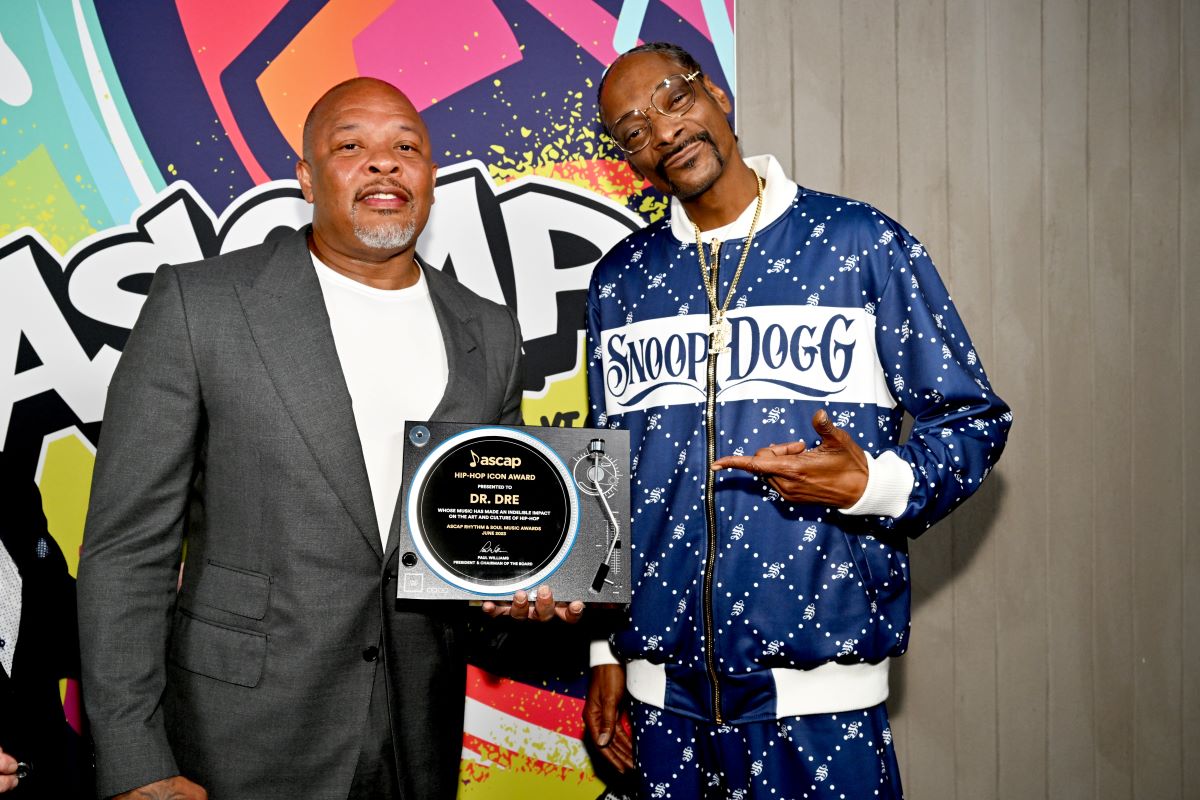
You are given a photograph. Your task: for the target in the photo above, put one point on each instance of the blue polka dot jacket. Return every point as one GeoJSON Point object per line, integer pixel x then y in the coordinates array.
{"type": "Point", "coordinates": [746, 606]}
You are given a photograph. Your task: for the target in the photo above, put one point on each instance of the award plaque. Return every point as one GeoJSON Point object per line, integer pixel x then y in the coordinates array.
{"type": "Point", "coordinates": [492, 509]}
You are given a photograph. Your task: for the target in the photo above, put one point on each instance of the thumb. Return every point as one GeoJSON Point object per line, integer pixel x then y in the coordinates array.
{"type": "Point", "coordinates": [608, 720]}
{"type": "Point", "coordinates": [824, 427]}
{"type": "Point", "coordinates": [572, 611]}
{"type": "Point", "coordinates": [609, 701]}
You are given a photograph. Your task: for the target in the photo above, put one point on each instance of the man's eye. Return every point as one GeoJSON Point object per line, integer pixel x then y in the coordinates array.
{"type": "Point", "coordinates": [349, 146]}
{"type": "Point", "coordinates": [405, 147]}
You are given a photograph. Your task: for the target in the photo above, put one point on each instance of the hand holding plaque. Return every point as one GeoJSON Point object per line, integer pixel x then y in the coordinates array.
{"type": "Point", "coordinates": [542, 609]}
{"type": "Point", "coordinates": [491, 511]}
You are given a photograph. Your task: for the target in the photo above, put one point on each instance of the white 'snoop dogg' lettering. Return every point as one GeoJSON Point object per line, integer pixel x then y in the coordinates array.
{"type": "Point", "coordinates": [776, 353]}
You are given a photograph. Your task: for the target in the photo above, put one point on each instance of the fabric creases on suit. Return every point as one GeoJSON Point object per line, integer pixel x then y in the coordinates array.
{"type": "Point", "coordinates": [228, 417]}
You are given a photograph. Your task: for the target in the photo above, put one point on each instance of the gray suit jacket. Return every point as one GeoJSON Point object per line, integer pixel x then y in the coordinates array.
{"type": "Point", "coordinates": [228, 419]}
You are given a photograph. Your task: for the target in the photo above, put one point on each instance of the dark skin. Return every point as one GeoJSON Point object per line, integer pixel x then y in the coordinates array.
{"type": "Point", "coordinates": [177, 788]}
{"type": "Point", "coordinates": [367, 162]}
{"type": "Point", "coordinates": [8, 772]}
{"type": "Point", "coordinates": [544, 607]}
{"type": "Point", "coordinates": [367, 165]}
{"type": "Point", "coordinates": [695, 158]}
{"type": "Point", "coordinates": [601, 711]}
{"type": "Point", "coordinates": [831, 474]}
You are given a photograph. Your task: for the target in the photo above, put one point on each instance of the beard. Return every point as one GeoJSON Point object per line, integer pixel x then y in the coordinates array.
{"type": "Point", "coordinates": [689, 191]}
{"type": "Point", "coordinates": [386, 234]}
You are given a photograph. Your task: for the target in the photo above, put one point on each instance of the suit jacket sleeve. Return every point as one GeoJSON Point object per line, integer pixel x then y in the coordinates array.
{"type": "Point", "coordinates": [145, 466]}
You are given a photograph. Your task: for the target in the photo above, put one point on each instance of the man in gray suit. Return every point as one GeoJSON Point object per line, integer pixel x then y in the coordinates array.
{"type": "Point", "coordinates": [257, 409]}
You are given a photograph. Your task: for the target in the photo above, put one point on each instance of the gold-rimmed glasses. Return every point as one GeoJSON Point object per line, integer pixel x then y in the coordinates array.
{"type": "Point", "coordinates": [673, 97]}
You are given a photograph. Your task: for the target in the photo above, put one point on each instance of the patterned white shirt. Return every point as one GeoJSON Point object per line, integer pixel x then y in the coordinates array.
{"type": "Point", "coordinates": [10, 608]}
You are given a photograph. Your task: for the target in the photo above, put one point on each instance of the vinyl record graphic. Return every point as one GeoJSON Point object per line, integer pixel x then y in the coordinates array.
{"type": "Point", "coordinates": [493, 510]}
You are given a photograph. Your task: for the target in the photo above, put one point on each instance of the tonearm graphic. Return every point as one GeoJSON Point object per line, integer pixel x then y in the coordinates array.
{"type": "Point", "coordinates": [599, 477]}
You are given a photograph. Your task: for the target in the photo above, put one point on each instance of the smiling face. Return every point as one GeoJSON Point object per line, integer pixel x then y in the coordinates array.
{"type": "Point", "coordinates": [367, 170]}
{"type": "Point", "coordinates": [687, 155]}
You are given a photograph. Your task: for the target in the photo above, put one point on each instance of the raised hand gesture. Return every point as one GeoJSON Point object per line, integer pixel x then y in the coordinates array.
{"type": "Point", "coordinates": [832, 474]}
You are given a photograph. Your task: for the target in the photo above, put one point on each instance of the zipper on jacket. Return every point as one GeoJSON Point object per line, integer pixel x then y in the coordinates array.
{"type": "Point", "coordinates": [710, 505]}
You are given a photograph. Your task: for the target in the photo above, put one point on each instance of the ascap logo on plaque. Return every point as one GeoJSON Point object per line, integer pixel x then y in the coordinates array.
{"type": "Point", "coordinates": [491, 509]}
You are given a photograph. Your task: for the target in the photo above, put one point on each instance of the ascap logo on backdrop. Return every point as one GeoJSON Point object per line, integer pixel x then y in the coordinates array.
{"type": "Point", "coordinates": [776, 353]}
{"type": "Point", "coordinates": [64, 322]}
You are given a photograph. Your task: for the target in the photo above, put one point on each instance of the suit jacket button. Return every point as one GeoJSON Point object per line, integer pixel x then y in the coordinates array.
{"type": "Point", "coordinates": [371, 653]}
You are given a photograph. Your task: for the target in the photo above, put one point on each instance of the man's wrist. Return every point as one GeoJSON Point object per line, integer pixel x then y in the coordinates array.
{"type": "Point", "coordinates": [889, 486]}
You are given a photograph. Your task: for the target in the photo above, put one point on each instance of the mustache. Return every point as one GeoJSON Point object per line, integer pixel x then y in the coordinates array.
{"type": "Point", "coordinates": [386, 184]}
{"type": "Point", "coordinates": [703, 136]}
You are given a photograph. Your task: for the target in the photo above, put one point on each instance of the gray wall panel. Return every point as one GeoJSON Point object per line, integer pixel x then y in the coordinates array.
{"type": "Point", "coordinates": [1189, 255]}
{"type": "Point", "coordinates": [1157, 465]}
{"type": "Point", "coordinates": [816, 102]}
{"type": "Point", "coordinates": [1112, 394]}
{"type": "Point", "coordinates": [1068, 374]}
{"type": "Point", "coordinates": [929, 721]}
{"type": "Point", "coordinates": [1048, 154]}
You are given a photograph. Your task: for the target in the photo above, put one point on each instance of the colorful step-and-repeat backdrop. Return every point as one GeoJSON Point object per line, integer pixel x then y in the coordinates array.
{"type": "Point", "coordinates": [138, 134]}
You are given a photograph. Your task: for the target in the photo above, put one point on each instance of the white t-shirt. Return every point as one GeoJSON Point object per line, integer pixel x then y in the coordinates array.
{"type": "Point", "coordinates": [394, 361]}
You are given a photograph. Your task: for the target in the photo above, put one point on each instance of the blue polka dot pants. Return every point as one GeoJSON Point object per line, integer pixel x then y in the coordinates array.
{"type": "Point", "coordinates": [844, 756]}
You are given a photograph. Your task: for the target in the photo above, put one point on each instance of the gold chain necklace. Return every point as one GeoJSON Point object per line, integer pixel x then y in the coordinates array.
{"type": "Point", "coordinates": [720, 329]}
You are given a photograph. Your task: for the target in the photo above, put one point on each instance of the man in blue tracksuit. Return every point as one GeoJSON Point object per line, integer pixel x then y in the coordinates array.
{"type": "Point", "coordinates": [761, 346]}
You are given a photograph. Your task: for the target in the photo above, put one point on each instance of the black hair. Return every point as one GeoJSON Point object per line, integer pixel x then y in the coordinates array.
{"type": "Point", "coordinates": [672, 51]}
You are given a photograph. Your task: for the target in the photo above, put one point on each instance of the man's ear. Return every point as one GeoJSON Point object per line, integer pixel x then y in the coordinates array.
{"type": "Point", "coordinates": [304, 175]}
{"type": "Point", "coordinates": [717, 94]}
{"type": "Point", "coordinates": [433, 177]}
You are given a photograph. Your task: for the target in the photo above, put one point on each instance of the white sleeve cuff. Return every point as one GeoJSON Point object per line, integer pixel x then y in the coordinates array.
{"type": "Point", "coordinates": [602, 653]}
{"type": "Point", "coordinates": [889, 485]}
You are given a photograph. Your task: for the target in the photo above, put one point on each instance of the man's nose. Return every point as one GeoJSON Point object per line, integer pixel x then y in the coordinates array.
{"type": "Point", "coordinates": [664, 130]}
{"type": "Point", "coordinates": [383, 162]}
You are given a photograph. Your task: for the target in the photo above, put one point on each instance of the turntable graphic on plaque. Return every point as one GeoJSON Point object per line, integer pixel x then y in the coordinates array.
{"type": "Point", "coordinates": [493, 509]}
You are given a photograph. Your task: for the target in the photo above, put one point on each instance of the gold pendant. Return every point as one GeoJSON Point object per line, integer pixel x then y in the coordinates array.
{"type": "Point", "coordinates": [720, 332]}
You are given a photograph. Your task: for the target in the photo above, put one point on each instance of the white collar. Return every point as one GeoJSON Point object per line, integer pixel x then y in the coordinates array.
{"type": "Point", "coordinates": [328, 275]}
{"type": "Point", "coordinates": [777, 199]}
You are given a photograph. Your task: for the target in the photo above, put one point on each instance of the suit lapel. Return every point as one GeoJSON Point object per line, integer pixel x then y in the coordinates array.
{"type": "Point", "coordinates": [286, 313]}
{"type": "Point", "coordinates": [464, 355]}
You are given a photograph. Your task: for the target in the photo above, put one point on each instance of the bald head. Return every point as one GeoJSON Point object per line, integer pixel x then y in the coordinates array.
{"type": "Point", "coordinates": [367, 170]}
{"type": "Point", "coordinates": [353, 89]}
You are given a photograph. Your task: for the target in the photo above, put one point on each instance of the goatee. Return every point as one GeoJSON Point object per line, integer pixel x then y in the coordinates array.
{"type": "Point", "coordinates": [386, 235]}
{"type": "Point", "coordinates": [688, 192]}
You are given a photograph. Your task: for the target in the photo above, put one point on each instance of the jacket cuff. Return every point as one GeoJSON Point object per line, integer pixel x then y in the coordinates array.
{"type": "Point", "coordinates": [889, 486]}
{"type": "Point", "coordinates": [602, 653]}
{"type": "Point", "coordinates": [131, 757]}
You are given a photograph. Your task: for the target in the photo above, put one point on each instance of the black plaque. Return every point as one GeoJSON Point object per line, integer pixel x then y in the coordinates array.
{"type": "Point", "coordinates": [491, 509]}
